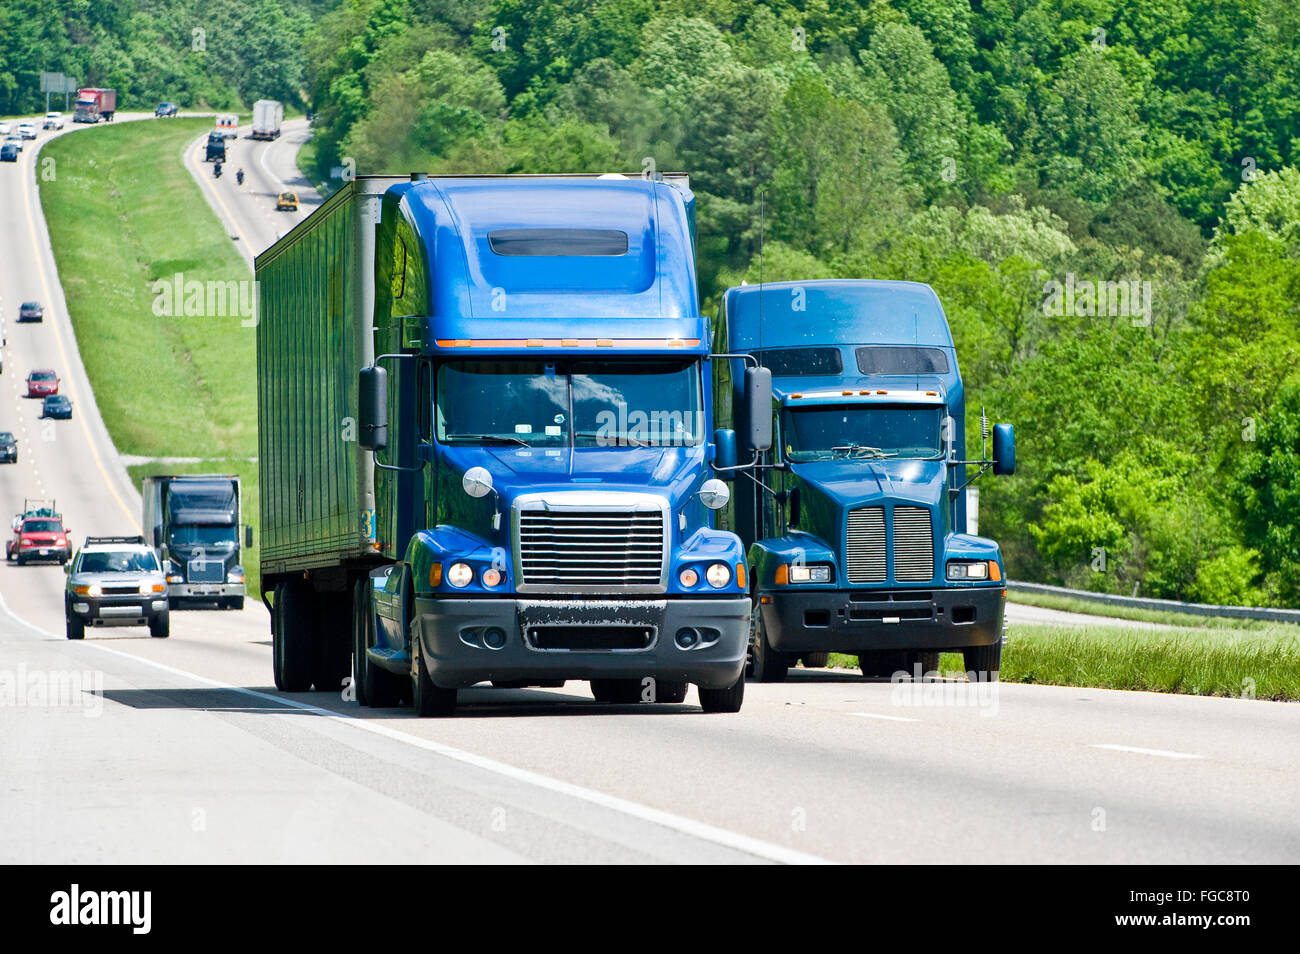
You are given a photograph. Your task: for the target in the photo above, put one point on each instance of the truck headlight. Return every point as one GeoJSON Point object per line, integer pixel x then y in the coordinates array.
{"type": "Point", "coordinates": [492, 577]}
{"type": "Point", "coordinates": [145, 589]}
{"type": "Point", "coordinates": [233, 577]}
{"type": "Point", "coordinates": [718, 574]}
{"type": "Point", "coordinates": [688, 578]}
{"type": "Point", "coordinates": [816, 573]}
{"type": "Point", "coordinates": [459, 574]}
{"type": "Point", "coordinates": [175, 578]}
{"type": "Point", "coordinates": [968, 571]}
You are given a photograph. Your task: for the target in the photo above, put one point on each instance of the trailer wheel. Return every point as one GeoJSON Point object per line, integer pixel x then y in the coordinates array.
{"type": "Point", "coordinates": [332, 641]}
{"type": "Point", "coordinates": [769, 665]}
{"type": "Point", "coordinates": [375, 687]}
{"type": "Point", "coordinates": [291, 637]}
{"type": "Point", "coordinates": [984, 661]}
{"type": "Point", "coordinates": [723, 700]}
{"type": "Point", "coordinates": [429, 699]}
{"type": "Point", "coordinates": [816, 660]}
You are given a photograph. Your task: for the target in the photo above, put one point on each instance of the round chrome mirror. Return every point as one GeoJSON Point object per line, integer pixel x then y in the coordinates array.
{"type": "Point", "coordinates": [714, 494]}
{"type": "Point", "coordinates": [477, 482]}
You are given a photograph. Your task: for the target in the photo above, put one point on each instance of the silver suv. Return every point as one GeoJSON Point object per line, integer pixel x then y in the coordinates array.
{"type": "Point", "coordinates": [115, 581]}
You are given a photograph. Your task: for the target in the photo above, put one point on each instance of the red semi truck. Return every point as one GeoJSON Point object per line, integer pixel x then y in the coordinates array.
{"type": "Point", "coordinates": [94, 104]}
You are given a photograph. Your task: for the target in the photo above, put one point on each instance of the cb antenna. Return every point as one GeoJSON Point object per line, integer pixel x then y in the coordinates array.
{"type": "Point", "coordinates": [762, 218]}
{"type": "Point", "coordinates": [984, 434]}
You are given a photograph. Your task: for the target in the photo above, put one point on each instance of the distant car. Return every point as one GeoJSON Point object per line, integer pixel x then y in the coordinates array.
{"type": "Point", "coordinates": [31, 311]}
{"type": "Point", "coordinates": [166, 109]}
{"type": "Point", "coordinates": [42, 382]}
{"type": "Point", "coordinates": [57, 406]}
{"type": "Point", "coordinates": [8, 152]}
{"type": "Point", "coordinates": [27, 130]}
{"type": "Point", "coordinates": [53, 121]}
{"type": "Point", "coordinates": [14, 140]}
{"type": "Point", "coordinates": [40, 538]}
{"type": "Point", "coordinates": [286, 202]}
{"type": "Point", "coordinates": [116, 581]}
{"type": "Point", "coordinates": [8, 448]}
{"type": "Point", "coordinates": [5, 129]}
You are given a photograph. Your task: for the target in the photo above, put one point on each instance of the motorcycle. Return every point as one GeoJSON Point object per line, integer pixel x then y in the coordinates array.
{"type": "Point", "coordinates": [216, 171]}
{"type": "Point", "coordinates": [239, 177]}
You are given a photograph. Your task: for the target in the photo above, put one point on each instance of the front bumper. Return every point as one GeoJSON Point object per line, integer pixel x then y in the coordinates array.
{"type": "Point", "coordinates": [43, 553]}
{"type": "Point", "coordinates": [470, 640]}
{"type": "Point", "coordinates": [852, 621]}
{"type": "Point", "coordinates": [125, 610]}
{"type": "Point", "coordinates": [204, 591]}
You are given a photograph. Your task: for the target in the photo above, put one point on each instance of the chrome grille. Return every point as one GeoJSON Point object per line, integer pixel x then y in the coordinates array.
{"type": "Point", "coordinates": [913, 544]}
{"type": "Point", "coordinates": [865, 545]}
{"type": "Point", "coordinates": [591, 548]}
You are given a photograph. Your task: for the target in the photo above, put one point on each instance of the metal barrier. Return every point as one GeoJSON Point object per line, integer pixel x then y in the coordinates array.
{"type": "Point", "coordinates": [1172, 606]}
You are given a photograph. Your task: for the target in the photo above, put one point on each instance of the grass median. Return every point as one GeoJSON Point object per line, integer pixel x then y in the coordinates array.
{"type": "Point", "coordinates": [123, 213]}
{"type": "Point", "coordinates": [1261, 662]}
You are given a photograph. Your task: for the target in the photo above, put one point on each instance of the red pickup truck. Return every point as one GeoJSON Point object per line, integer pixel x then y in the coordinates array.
{"type": "Point", "coordinates": [39, 538]}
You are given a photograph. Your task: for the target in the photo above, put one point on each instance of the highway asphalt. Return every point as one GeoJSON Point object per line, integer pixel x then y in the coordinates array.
{"type": "Point", "coordinates": [187, 754]}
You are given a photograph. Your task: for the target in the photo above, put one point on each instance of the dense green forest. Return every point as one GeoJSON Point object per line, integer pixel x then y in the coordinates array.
{"type": "Point", "coordinates": [1103, 193]}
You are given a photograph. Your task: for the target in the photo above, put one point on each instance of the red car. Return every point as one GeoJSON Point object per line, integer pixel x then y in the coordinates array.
{"type": "Point", "coordinates": [42, 383]}
{"type": "Point", "coordinates": [39, 538]}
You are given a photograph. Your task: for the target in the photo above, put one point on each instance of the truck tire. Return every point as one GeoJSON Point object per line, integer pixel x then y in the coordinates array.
{"type": "Point", "coordinates": [375, 687]}
{"type": "Point", "coordinates": [723, 700]}
{"type": "Point", "coordinates": [883, 663]}
{"type": "Point", "coordinates": [769, 665]}
{"type": "Point", "coordinates": [234, 603]}
{"type": "Point", "coordinates": [816, 660]}
{"type": "Point", "coordinates": [429, 700]}
{"type": "Point", "coordinates": [160, 627]}
{"type": "Point", "coordinates": [984, 661]}
{"type": "Point", "coordinates": [332, 641]}
{"type": "Point", "coordinates": [76, 626]}
{"type": "Point", "coordinates": [616, 692]}
{"type": "Point", "coordinates": [291, 637]}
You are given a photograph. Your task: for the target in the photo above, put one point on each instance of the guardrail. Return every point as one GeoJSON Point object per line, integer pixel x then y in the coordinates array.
{"type": "Point", "coordinates": [1172, 606]}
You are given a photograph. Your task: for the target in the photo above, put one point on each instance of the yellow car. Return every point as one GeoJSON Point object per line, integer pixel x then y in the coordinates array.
{"type": "Point", "coordinates": [286, 202]}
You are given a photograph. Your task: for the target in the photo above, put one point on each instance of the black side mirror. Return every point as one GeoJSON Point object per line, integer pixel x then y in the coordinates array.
{"type": "Point", "coordinates": [248, 536]}
{"type": "Point", "coordinates": [793, 519]}
{"type": "Point", "coordinates": [372, 408]}
{"type": "Point", "coordinates": [1004, 449]}
{"type": "Point", "coordinates": [758, 407]}
{"type": "Point", "coordinates": [157, 536]}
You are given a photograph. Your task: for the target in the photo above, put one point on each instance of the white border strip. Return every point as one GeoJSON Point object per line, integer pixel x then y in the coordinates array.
{"type": "Point", "coordinates": [1163, 753]}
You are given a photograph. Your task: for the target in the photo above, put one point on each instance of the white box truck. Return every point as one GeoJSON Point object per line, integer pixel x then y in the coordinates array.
{"type": "Point", "coordinates": [268, 114]}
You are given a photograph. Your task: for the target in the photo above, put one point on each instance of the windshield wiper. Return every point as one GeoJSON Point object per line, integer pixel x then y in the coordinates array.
{"type": "Point", "coordinates": [489, 439]}
{"type": "Point", "coordinates": [616, 440]}
{"type": "Point", "coordinates": [862, 450]}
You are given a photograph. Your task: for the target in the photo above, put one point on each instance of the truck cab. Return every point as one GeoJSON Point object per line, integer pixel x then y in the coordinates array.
{"type": "Point", "coordinates": [194, 522]}
{"type": "Point", "coordinates": [856, 524]}
{"type": "Point", "coordinates": [215, 150]}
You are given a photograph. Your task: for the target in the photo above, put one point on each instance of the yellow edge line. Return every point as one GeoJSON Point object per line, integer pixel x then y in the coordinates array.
{"type": "Point", "coordinates": [58, 339]}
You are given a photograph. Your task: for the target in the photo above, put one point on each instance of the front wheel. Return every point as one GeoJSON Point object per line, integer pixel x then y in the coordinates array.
{"type": "Point", "coordinates": [160, 626]}
{"type": "Point", "coordinates": [816, 660]}
{"type": "Point", "coordinates": [769, 665]}
{"type": "Point", "coordinates": [429, 699]}
{"type": "Point", "coordinates": [616, 692]}
{"type": "Point", "coordinates": [76, 627]}
{"type": "Point", "coordinates": [724, 700]}
{"type": "Point", "coordinates": [670, 690]}
{"type": "Point", "coordinates": [375, 687]}
{"type": "Point", "coordinates": [984, 662]}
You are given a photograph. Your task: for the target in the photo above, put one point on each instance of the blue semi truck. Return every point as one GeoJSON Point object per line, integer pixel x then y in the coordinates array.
{"type": "Point", "coordinates": [485, 445]}
{"type": "Point", "coordinates": [855, 520]}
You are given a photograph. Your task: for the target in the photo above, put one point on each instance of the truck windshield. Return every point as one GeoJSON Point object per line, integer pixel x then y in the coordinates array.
{"type": "Point", "coordinates": [848, 432]}
{"type": "Point", "coordinates": [203, 536]}
{"type": "Point", "coordinates": [595, 403]}
{"type": "Point", "coordinates": [42, 526]}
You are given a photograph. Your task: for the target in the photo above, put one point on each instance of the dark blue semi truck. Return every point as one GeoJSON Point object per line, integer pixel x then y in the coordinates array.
{"type": "Point", "coordinates": [485, 425]}
{"type": "Point", "coordinates": [855, 520]}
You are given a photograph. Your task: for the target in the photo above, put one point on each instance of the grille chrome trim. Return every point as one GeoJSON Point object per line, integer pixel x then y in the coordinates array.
{"type": "Point", "coordinates": [590, 542]}
{"type": "Point", "coordinates": [913, 545]}
{"type": "Point", "coordinates": [864, 545]}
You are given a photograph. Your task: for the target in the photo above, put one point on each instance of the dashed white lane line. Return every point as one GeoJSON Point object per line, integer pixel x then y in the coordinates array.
{"type": "Point", "coordinates": [1161, 753]}
{"type": "Point", "coordinates": [887, 718]}
{"type": "Point", "coordinates": [687, 826]}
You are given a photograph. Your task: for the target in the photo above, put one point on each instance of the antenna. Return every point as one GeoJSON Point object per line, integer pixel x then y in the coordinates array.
{"type": "Point", "coordinates": [984, 434]}
{"type": "Point", "coordinates": [762, 218]}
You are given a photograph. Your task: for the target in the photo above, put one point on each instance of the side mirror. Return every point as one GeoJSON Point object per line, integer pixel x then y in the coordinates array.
{"type": "Point", "coordinates": [67, 568]}
{"type": "Point", "coordinates": [795, 509]}
{"type": "Point", "coordinates": [1004, 449]}
{"type": "Point", "coordinates": [372, 408]}
{"type": "Point", "coordinates": [248, 536]}
{"type": "Point", "coordinates": [714, 494]}
{"type": "Point", "coordinates": [157, 536]}
{"type": "Point", "coordinates": [724, 439]}
{"type": "Point", "coordinates": [477, 482]}
{"type": "Point", "coordinates": [758, 407]}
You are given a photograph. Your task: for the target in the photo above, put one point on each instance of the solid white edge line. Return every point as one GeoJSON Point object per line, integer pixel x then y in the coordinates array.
{"type": "Point", "coordinates": [687, 826]}
{"type": "Point", "coordinates": [877, 715]}
{"type": "Point", "coordinates": [1163, 753]}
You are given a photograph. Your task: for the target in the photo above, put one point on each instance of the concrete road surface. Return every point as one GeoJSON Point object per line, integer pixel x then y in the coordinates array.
{"type": "Point", "coordinates": [182, 751]}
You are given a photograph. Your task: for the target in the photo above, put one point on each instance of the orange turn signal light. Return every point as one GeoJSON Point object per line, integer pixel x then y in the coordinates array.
{"type": "Point", "coordinates": [782, 575]}
{"type": "Point", "coordinates": [435, 574]}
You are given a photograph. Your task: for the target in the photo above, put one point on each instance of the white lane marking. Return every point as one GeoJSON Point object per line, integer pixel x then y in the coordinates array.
{"type": "Point", "coordinates": [877, 715]}
{"type": "Point", "coordinates": [1163, 753]}
{"type": "Point", "coordinates": [687, 826]}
